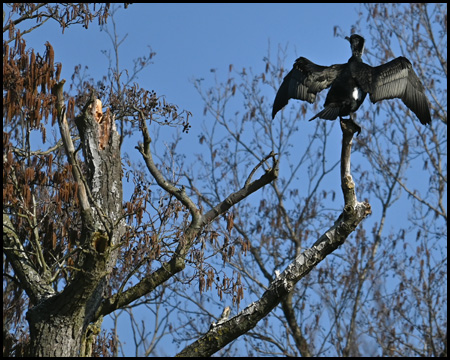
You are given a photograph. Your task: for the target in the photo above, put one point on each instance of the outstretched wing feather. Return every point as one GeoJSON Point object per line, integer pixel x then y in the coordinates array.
{"type": "Point", "coordinates": [395, 79]}
{"type": "Point", "coordinates": [303, 82]}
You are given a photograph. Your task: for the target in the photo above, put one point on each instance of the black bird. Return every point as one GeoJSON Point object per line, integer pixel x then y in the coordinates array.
{"type": "Point", "coordinates": [351, 82]}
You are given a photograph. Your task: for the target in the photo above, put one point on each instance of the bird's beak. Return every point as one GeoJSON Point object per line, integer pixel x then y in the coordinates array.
{"type": "Point", "coordinates": [347, 38]}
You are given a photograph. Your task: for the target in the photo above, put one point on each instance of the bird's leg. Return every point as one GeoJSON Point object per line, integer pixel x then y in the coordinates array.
{"type": "Point", "coordinates": [352, 123]}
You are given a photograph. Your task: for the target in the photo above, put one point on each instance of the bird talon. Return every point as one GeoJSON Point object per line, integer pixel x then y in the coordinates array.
{"type": "Point", "coordinates": [352, 125]}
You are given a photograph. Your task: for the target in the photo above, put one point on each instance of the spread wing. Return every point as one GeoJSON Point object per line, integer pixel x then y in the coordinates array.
{"type": "Point", "coordinates": [395, 79]}
{"type": "Point", "coordinates": [304, 81]}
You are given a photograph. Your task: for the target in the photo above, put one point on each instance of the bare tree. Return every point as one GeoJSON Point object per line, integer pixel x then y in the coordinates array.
{"type": "Point", "coordinates": [67, 243]}
{"type": "Point", "coordinates": [411, 163]}
{"type": "Point", "coordinates": [382, 292]}
{"type": "Point", "coordinates": [190, 239]}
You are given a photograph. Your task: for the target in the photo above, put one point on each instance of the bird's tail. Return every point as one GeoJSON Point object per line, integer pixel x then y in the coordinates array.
{"type": "Point", "coordinates": [329, 113]}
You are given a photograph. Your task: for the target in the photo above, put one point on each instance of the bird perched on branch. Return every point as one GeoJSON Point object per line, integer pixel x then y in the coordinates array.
{"type": "Point", "coordinates": [350, 83]}
{"type": "Point", "coordinates": [224, 317]}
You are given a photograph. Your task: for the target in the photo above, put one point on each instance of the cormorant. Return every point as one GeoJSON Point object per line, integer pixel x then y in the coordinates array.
{"type": "Point", "coordinates": [351, 82]}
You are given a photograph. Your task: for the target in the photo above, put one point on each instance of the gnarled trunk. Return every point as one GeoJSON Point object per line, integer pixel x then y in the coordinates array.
{"type": "Point", "coordinates": [59, 321]}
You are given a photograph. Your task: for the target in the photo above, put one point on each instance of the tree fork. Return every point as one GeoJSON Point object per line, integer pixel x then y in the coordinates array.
{"type": "Point", "coordinates": [354, 212]}
{"type": "Point", "coordinates": [59, 323]}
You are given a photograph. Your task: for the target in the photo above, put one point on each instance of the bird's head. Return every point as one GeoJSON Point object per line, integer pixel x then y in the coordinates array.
{"type": "Point", "coordinates": [357, 44]}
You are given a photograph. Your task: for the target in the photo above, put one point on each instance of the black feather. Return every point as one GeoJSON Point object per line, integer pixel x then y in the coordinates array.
{"type": "Point", "coordinates": [395, 79]}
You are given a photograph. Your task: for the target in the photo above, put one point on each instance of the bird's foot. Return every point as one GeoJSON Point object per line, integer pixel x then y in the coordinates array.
{"type": "Point", "coordinates": [352, 125]}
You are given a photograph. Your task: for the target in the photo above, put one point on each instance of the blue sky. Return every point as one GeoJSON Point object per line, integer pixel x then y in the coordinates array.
{"type": "Point", "coordinates": [191, 39]}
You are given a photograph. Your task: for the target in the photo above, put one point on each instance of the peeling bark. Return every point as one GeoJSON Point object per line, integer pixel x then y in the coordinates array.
{"type": "Point", "coordinates": [58, 321]}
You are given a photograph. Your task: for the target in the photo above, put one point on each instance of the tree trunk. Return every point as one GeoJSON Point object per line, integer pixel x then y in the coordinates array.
{"type": "Point", "coordinates": [59, 321]}
{"type": "Point", "coordinates": [57, 327]}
